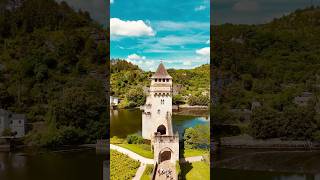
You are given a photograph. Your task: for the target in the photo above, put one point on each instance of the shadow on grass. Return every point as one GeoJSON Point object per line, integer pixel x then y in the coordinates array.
{"type": "Point", "coordinates": [185, 167]}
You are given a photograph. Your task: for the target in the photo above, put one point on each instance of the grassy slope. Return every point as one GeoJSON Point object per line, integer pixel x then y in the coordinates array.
{"type": "Point", "coordinates": [141, 149]}
{"type": "Point", "coordinates": [194, 152]}
{"type": "Point", "coordinates": [194, 171]}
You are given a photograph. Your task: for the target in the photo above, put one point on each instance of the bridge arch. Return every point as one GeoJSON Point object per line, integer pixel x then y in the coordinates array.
{"type": "Point", "coordinates": [166, 154]}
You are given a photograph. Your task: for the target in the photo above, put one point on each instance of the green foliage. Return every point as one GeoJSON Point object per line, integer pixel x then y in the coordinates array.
{"type": "Point", "coordinates": [270, 63]}
{"type": "Point", "coordinates": [7, 132]}
{"type": "Point", "coordinates": [116, 140]}
{"type": "Point", "coordinates": [197, 137]}
{"type": "Point", "coordinates": [50, 60]}
{"type": "Point", "coordinates": [200, 100]}
{"type": "Point", "coordinates": [135, 139]}
{"type": "Point", "coordinates": [122, 167]}
{"type": "Point", "coordinates": [177, 99]}
{"type": "Point", "coordinates": [316, 135]}
{"type": "Point", "coordinates": [178, 169]}
{"type": "Point", "coordinates": [294, 123]}
{"type": "Point", "coordinates": [127, 82]}
{"type": "Point", "coordinates": [147, 174]}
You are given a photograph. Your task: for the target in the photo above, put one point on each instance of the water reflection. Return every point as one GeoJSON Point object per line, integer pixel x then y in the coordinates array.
{"type": "Point", "coordinates": [266, 164]}
{"type": "Point", "coordinates": [81, 165]}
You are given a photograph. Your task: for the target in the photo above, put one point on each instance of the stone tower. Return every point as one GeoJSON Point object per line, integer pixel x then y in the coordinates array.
{"type": "Point", "coordinates": [157, 111]}
{"type": "Point", "coordinates": [156, 118]}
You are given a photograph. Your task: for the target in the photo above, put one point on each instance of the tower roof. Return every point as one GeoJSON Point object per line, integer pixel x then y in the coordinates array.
{"type": "Point", "coordinates": [161, 72]}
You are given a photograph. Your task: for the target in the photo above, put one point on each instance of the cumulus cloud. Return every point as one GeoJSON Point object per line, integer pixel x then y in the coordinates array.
{"type": "Point", "coordinates": [137, 28]}
{"type": "Point", "coordinates": [134, 57]}
{"type": "Point", "coordinates": [200, 8]}
{"type": "Point", "coordinates": [246, 6]}
{"type": "Point", "coordinates": [203, 51]}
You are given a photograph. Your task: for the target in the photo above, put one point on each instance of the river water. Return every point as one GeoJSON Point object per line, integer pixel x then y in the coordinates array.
{"type": "Point", "coordinates": [264, 164]}
{"type": "Point", "coordinates": [83, 164]}
{"type": "Point", "coordinates": [124, 122]}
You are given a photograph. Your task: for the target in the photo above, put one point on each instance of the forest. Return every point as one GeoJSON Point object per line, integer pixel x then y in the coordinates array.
{"type": "Point", "coordinates": [53, 70]}
{"type": "Point", "coordinates": [274, 65]}
{"type": "Point", "coordinates": [128, 82]}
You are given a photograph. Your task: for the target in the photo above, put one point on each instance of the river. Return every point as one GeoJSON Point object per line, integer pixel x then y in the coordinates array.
{"type": "Point", "coordinates": [124, 122]}
{"type": "Point", "coordinates": [266, 164]}
{"type": "Point", "coordinates": [79, 164]}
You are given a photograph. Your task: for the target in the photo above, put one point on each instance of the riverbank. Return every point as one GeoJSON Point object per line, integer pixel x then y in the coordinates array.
{"type": "Point", "coordinates": [192, 111]}
{"type": "Point", "coordinates": [184, 109]}
{"type": "Point", "coordinates": [246, 141]}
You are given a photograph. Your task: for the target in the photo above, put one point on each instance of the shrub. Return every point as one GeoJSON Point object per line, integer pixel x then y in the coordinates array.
{"type": "Point", "coordinates": [197, 137]}
{"type": "Point", "coordinates": [134, 139]}
{"type": "Point", "coordinates": [71, 135]}
{"type": "Point", "coordinates": [116, 140]}
{"type": "Point", "coordinates": [316, 135]}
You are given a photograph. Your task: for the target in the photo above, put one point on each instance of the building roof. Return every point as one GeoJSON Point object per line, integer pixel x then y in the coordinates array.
{"type": "Point", "coordinates": [161, 72]}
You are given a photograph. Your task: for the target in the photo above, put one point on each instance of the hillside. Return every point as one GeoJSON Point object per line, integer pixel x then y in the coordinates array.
{"type": "Point", "coordinates": [128, 82]}
{"type": "Point", "coordinates": [271, 64]}
{"type": "Point", "coordinates": [52, 67]}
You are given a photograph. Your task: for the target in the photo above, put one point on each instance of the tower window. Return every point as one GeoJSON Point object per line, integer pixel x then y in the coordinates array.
{"type": "Point", "coordinates": [155, 80]}
{"type": "Point", "coordinates": [167, 80]}
{"type": "Point", "coordinates": [158, 111]}
{"type": "Point", "coordinates": [163, 80]}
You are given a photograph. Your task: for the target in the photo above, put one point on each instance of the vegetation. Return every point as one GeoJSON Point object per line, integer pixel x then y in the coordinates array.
{"type": "Point", "coordinates": [178, 169]}
{"type": "Point", "coordinates": [121, 166]}
{"type": "Point", "coordinates": [128, 82]}
{"type": "Point", "coordinates": [197, 137]}
{"type": "Point", "coordinates": [141, 149]}
{"type": "Point", "coordinates": [52, 68]}
{"type": "Point", "coordinates": [196, 170]}
{"type": "Point", "coordinates": [147, 172]}
{"type": "Point", "coordinates": [195, 152]}
{"type": "Point", "coordinates": [272, 68]}
{"type": "Point", "coordinates": [135, 139]}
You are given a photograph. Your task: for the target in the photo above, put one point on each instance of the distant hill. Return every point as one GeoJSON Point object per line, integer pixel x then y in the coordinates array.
{"type": "Point", "coordinates": [52, 65]}
{"type": "Point", "coordinates": [273, 65]}
{"type": "Point", "coordinates": [261, 62]}
{"type": "Point", "coordinates": [129, 80]}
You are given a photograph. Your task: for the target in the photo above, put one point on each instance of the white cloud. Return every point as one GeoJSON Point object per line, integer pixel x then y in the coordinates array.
{"type": "Point", "coordinates": [187, 63]}
{"type": "Point", "coordinates": [204, 51]}
{"type": "Point", "coordinates": [200, 8]}
{"type": "Point", "coordinates": [174, 26]}
{"type": "Point", "coordinates": [208, 41]}
{"type": "Point", "coordinates": [111, 1]}
{"type": "Point", "coordinates": [137, 28]}
{"type": "Point", "coordinates": [246, 6]}
{"type": "Point", "coordinates": [135, 57]}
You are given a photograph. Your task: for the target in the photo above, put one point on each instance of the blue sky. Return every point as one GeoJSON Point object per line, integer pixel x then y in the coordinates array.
{"type": "Point", "coordinates": [145, 32]}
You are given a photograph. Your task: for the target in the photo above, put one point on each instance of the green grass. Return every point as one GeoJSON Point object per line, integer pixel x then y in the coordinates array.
{"type": "Point", "coordinates": [141, 149]}
{"type": "Point", "coordinates": [196, 170]}
{"type": "Point", "coordinates": [122, 166]}
{"type": "Point", "coordinates": [194, 152]}
{"type": "Point", "coordinates": [147, 172]}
